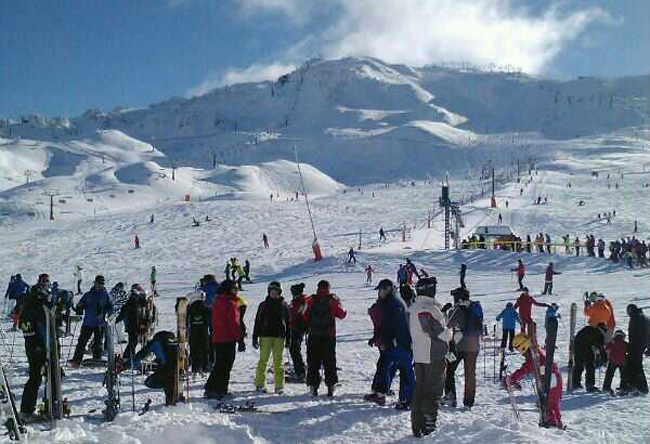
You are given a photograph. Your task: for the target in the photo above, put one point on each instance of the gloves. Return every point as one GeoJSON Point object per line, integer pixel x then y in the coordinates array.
{"type": "Point", "coordinates": [446, 335]}
{"type": "Point", "coordinates": [256, 344]}
{"type": "Point", "coordinates": [450, 357]}
{"type": "Point", "coordinates": [241, 347]}
{"type": "Point", "coordinates": [371, 342]}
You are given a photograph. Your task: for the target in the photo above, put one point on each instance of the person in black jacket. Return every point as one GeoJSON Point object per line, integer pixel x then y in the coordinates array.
{"type": "Point", "coordinates": [588, 353]}
{"type": "Point", "coordinates": [638, 341]}
{"type": "Point", "coordinates": [198, 322]}
{"type": "Point", "coordinates": [130, 315]}
{"type": "Point", "coordinates": [32, 323]}
{"type": "Point", "coordinates": [272, 331]}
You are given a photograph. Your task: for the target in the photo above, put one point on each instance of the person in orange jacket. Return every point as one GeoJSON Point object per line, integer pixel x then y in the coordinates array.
{"type": "Point", "coordinates": [600, 311]}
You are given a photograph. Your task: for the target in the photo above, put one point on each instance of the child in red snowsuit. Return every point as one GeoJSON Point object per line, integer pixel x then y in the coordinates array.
{"type": "Point", "coordinates": [554, 396]}
{"type": "Point", "coordinates": [525, 304]}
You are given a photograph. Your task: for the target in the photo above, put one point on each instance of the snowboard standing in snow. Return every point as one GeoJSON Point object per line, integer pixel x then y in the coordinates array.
{"type": "Point", "coordinates": [8, 410]}
{"type": "Point", "coordinates": [551, 337]}
{"type": "Point", "coordinates": [572, 334]}
{"type": "Point", "coordinates": [54, 406]}
{"type": "Point", "coordinates": [539, 383]}
{"type": "Point", "coordinates": [181, 352]}
{"type": "Point", "coordinates": [111, 378]}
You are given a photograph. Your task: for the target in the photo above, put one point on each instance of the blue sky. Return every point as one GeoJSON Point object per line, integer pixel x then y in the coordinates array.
{"type": "Point", "coordinates": [59, 58]}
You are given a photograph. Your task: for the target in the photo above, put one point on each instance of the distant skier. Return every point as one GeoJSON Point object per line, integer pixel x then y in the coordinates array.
{"type": "Point", "coordinates": [554, 395]}
{"type": "Point", "coordinates": [79, 276]}
{"type": "Point", "coordinates": [521, 273]}
{"type": "Point", "coordinates": [548, 279]}
{"type": "Point", "coordinates": [462, 273]}
{"type": "Point", "coordinates": [247, 271]}
{"type": "Point", "coordinates": [151, 220]}
{"type": "Point", "coordinates": [136, 242]}
{"type": "Point", "coordinates": [152, 279]}
{"type": "Point", "coordinates": [382, 235]}
{"type": "Point", "coordinates": [265, 240]}
{"type": "Point", "coordinates": [351, 256]}
{"type": "Point", "coordinates": [500, 219]}
{"type": "Point", "coordinates": [510, 320]}
{"type": "Point", "coordinates": [369, 271]}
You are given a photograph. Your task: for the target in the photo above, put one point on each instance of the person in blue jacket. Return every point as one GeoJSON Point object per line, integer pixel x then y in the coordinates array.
{"type": "Point", "coordinates": [402, 275]}
{"type": "Point", "coordinates": [510, 319]}
{"type": "Point", "coordinates": [395, 349]}
{"type": "Point", "coordinates": [211, 288]}
{"type": "Point", "coordinates": [95, 305]}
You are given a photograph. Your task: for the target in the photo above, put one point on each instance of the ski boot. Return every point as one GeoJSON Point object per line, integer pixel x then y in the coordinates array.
{"type": "Point", "coordinates": [313, 390]}
{"type": "Point", "coordinates": [330, 391]}
{"type": "Point", "coordinates": [377, 398]}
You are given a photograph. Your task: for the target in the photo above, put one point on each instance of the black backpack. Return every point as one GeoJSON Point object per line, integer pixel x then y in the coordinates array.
{"type": "Point", "coordinates": [320, 318]}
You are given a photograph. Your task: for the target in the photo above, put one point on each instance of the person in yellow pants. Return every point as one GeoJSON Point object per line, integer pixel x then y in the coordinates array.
{"type": "Point", "coordinates": [271, 332]}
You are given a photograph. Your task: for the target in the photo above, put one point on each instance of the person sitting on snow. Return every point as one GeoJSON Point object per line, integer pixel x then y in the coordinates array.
{"type": "Point", "coordinates": [554, 395]}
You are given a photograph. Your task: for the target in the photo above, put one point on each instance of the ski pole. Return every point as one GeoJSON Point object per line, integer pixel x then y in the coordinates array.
{"type": "Point", "coordinates": [132, 380]}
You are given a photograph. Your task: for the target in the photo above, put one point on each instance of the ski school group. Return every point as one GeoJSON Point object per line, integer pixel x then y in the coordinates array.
{"type": "Point", "coordinates": [414, 332]}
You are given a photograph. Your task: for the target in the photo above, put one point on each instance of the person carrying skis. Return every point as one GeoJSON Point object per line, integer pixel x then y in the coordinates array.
{"type": "Point", "coordinates": [430, 335]}
{"type": "Point", "coordinates": [510, 320]}
{"type": "Point", "coordinates": [79, 277]}
{"type": "Point", "coordinates": [588, 354]}
{"type": "Point", "coordinates": [521, 273]}
{"type": "Point", "coordinates": [226, 333]}
{"type": "Point", "coordinates": [130, 315]}
{"type": "Point", "coordinates": [165, 347]}
{"type": "Point", "coordinates": [320, 314]}
{"type": "Point", "coordinates": [616, 352]}
{"type": "Point", "coordinates": [198, 322]}
{"type": "Point", "coordinates": [152, 279]}
{"type": "Point", "coordinates": [462, 273]}
{"type": "Point", "coordinates": [351, 256]}
{"type": "Point", "coordinates": [638, 334]}
{"type": "Point", "coordinates": [369, 271]}
{"type": "Point", "coordinates": [466, 319]}
{"type": "Point", "coordinates": [525, 304]}
{"type": "Point", "coordinates": [554, 395]}
{"type": "Point", "coordinates": [548, 279]}
{"type": "Point", "coordinates": [298, 329]}
{"type": "Point", "coordinates": [395, 347]}
{"type": "Point", "coordinates": [95, 305]}
{"type": "Point", "coordinates": [32, 323]}
{"type": "Point", "coordinates": [271, 334]}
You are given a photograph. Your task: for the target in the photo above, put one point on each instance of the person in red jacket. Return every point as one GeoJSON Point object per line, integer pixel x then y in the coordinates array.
{"type": "Point", "coordinates": [554, 395]}
{"type": "Point", "coordinates": [525, 304]}
{"type": "Point", "coordinates": [617, 351]}
{"type": "Point", "coordinates": [226, 333]}
{"type": "Point", "coordinates": [521, 272]}
{"type": "Point", "coordinates": [320, 314]}
{"type": "Point", "coordinates": [548, 279]}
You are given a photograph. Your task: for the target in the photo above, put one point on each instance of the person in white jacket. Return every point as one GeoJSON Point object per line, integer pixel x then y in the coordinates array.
{"type": "Point", "coordinates": [431, 337]}
{"type": "Point", "coordinates": [79, 277]}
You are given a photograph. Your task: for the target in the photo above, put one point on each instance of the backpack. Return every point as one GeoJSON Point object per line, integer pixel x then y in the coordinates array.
{"type": "Point", "coordinates": [320, 318]}
{"type": "Point", "coordinates": [474, 317]}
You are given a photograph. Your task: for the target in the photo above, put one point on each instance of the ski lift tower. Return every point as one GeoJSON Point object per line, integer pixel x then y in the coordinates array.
{"type": "Point", "coordinates": [450, 209]}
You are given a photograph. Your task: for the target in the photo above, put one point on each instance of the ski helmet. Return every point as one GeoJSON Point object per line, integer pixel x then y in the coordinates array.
{"type": "Point", "coordinates": [426, 287]}
{"type": "Point", "coordinates": [274, 286]}
{"type": "Point", "coordinates": [521, 343]}
{"type": "Point", "coordinates": [593, 296]}
{"type": "Point", "coordinates": [618, 333]}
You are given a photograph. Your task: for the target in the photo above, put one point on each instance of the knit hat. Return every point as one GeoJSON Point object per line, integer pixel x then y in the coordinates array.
{"type": "Point", "coordinates": [275, 286]}
{"type": "Point", "coordinates": [323, 285]}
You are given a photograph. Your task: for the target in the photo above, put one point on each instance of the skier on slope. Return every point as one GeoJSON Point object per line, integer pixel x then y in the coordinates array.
{"type": "Point", "coordinates": [152, 279]}
{"type": "Point", "coordinates": [525, 304]}
{"type": "Point", "coordinates": [95, 305]}
{"type": "Point", "coordinates": [198, 321]}
{"type": "Point", "coordinates": [298, 329]}
{"type": "Point", "coordinates": [462, 273]}
{"type": "Point", "coordinates": [428, 328]}
{"type": "Point", "coordinates": [271, 334]}
{"type": "Point", "coordinates": [382, 235]}
{"type": "Point", "coordinates": [79, 277]}
{"type": "Point", "coordinates": [548, 279]}
{"type": "Point", "coordinates": [369, 271]}
{"type": "Point", "coordinates": [510, 321]}
{"type": "Point", "coordinates": [351, 256]}
{"type": "Point", "coordinates": [33, 325]}
{"type": "Point", "coordinates": [554, 395]}
{"type": "Point", "coordinates": [164, 346]}
{"type": "Point", "coordinates": [521, 273]}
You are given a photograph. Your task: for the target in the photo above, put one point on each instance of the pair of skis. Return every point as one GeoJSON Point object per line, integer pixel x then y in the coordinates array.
{"type": "Point", "coordinates": [9, 412]}
{"type": "Point", "coordinates": [111, 378]}
{"type": "Point", "coordinates": [181, 371]}
{"type": "Point", "coordinates": [55, 407]}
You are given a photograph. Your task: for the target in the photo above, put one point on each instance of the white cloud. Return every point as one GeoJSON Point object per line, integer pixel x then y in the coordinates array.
{"type": "Point", "coordinates": [297, 10]}
{"type": "Point", "coordinates": [253, 73]}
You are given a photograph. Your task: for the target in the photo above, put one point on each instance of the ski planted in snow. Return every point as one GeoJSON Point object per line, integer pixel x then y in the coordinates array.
{"type": "Point", "coordinates": [572, 333]}
{"type": "Point", "coordinates": [539, 383]}
{"type": "Point", "coordinates": [551, 337]}
{"type": "Point", "coordinates": [55, 408]}
{"type": "Point", "coordinates": [181, 352]}
{"type": "Point", "coordinates": [111, 378]}
{"type": "Point", "coordinates": [8, 411]}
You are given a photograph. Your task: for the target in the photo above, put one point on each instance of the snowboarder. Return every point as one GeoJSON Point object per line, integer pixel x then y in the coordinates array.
{"type": "Point", "coordinates": [395, 347]}
{"type": "Point", "coordinates": [130, 315]}
{"type": "Point", "coordinates": [369, 271]}
{"type": "Point", "coordinates": [79, 276]}
{"type": "Point", "coordinates": [430, 335]}
{"type": "Point", "coordinates": [510, 320]}
{"type": "Point", "coordinates": [351, 256]}
{"type": "Point", "coordinates": [95, 305]}
{"type": "Point", "coordinates": [164, 346]}
{"type": "Point", "coordinates": [321, 311]}
{"type": "Point", "coordinates": [521, 273]}
{"type": "Point", "coordinates": [548, 279]}
{"type": "Point", "coordinates": [33, 325]}
{"type": "Point", "coordinates": [466, 319]}
{"type": "Point", "coordinates": [554, 395]}
{"type": "Point", "coordinates": [639, 337]}
{"type": "Point", "coordinates": [226, 333]}
{"type": "Point", "coordinates": [298, 329]}
{"type": "Point", "coordinates": [525, 304]}
{"type": "Point", "coordinates": [616, 352]}
{"type": "Point", "coordinates": [198, 320]}
{"type": "Point", "coordinates": [462, 273]}
{"type": "Point", "coordinates": [271, 334]}
{"type": "Point", "coordinates": [265, 240]}
{"type": "Point", "coordinates": [588, 354]}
